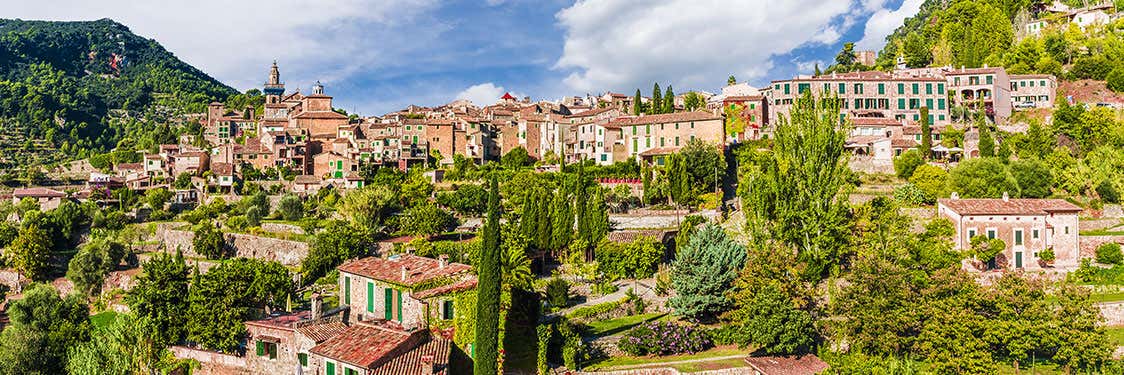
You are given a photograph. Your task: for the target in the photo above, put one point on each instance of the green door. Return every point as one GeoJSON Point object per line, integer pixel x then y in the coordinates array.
{"type": "Point", "coordinates": [388, 299]}
{"type": "Point", "coordinates": [347, 290]}
{"type": "Point", "coordinates": [330, 368]}
{"type": "Point", "coordinates": [399, 306]}
{"type": "Point", "coordinates": [1018, 259]}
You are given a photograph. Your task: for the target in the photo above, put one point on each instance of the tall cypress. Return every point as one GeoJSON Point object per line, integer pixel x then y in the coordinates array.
{"type": "Point", "coordinates": [669, 101]}
{"type": "Point", "coordinates": [580, 201]}
{"type": "Point", "coordinates": [563, 217]}
{"type": "Point", "coordinates": [529, 221]}
{"type": "Point", "coordinates": [543, 233]}
{"type": "Point", "coordinates": [488, 290]}
{"type": "Point", "coordinates": [636, 103]}
{"type": "Point", "coordinates": [598, 218]}
{"type": "Point", "coordinates": [646, 175]}
{"type": "Point", "coordinates": [926, 134]}
{"type": "Point", "coordinates": [657, 104]}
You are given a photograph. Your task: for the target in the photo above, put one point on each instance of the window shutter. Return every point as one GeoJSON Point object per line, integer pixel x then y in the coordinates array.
{"type": "Point", "coordinates": [330, 368]}
{"type": "Point", "coordinates": [273, 351]}
{"type": "Point", "coordinates": [370, 297]}
{"type": "Point", "coordinates": [303, 358]}
{"type": "Point", "coordinates": [399, 306]}
{"type": "Point", "coordinates": [260, 348]}
{"type": "Point", "coordinates": [388, 303]}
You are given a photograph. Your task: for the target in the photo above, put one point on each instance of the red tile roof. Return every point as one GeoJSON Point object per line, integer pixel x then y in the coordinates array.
{"type": "Point", "coordinates": [592, 112]}
{"type": "Point", "coordinates": [742, 98]}
{"type": "Point", "coordinates": [222, 169]}
{"type": "Point", "coordinates": [957, 72]}
{"type": "Point", "coordinates": [281, 320]}
{"type": "Point", "coordinates": [805, 365]}
{"type": "Point", "coordinates": [660, 151]}
{"type": "Point", "coordinates": [368, 346]}
{"type": "Point", "coordinates": [37, 192]}
{"type": "Point", "coordinates": [404, 269]}
{"type": "Point", "coordinates": [669, 117]}
{"type": "Point", "coordinates": [462, 285]}
{"type": "Point", "coordinates": [321, 332]}
{"type": "Point", "coordinates": [321, 115]}
{"type": "Point", "coordinates": [429, 358]}
{"type": "Point", "coordinates": [875, 121]}
{"type": "Point", "coordinates": [1008, 207]}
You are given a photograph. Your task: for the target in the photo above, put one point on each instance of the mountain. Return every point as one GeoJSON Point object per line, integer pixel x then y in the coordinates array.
{"type": "Point", "coordinates": [83, 87]}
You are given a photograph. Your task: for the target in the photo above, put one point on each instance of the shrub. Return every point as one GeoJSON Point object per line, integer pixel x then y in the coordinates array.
{"type": "Point", "coordinates": [291, 208]}
{"type": "Point", "coordinates": [1109, 253]}
{"type": "Point", "coordinates": [664, 338]}
{"type": "Point", "coordinates": [253, 216]}
{"type": "Point", "coordinates": [1047, 255]}
{"type": "Point", "coordinates": [544, 331]}
{"type": "Point", "coordinates": [907, 162]}
{"type": "Point", "coordinates": [208, 241]}
{"type": "Point", "coordinates": [910, 194]}
{"type": "Point", "coordinates": [598, 311]}
{"type": "Point", "coordinates": [637, 259]}
{"type": "Point", "coordinates": [1115, 80]}
{"type": "Point", "coordinates": [1107, 191]}
{"type": "Point", "coordinates": [557, 292]}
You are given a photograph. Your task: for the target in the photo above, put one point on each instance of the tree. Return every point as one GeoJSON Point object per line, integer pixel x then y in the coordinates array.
{"type": "Point", "coordinates": [290, 207]}
{"type": "Point", "coordinates": [796, 194]}
{"type": "Point", "coordinates": [160, 297]}
{"type": "Point", "coordinates": [122, 348]}
{"type": "Point", "coordinates": [703, 271]}
{"type": "Point", "coordinates": [466, 200]}
{"type": "Point", "coordinates": [908, 162]}
{"type": "Point", "coordinates": [367, 207]}
{"type": "Point", "coordinates": [88, 268]}
{"type": "Point", "coordinates": [704, 164]}
{"type": "Point", "coordinates": [678, 180]}
{"type": "Point", "coordinates": [636, 103]}
{"type": "Point", "coordinates": [846, 57]}
{"type": "Point", "coordinates": [987, 143]}
{"type": "Point", "coordinates": [209, 241]}
{"type": "Point", "coordinates": [597, 218]}
{"type": "Point", "coordinates": [817, 72]}
{"type": "Point", "coordinates": [43, 326]}
{"type": "Point", "coordinates": [563, 216]}
{"type": "Point", "coordinates": [488, 289]}
{"type": "Point", "coordinates": [932, 180]}
{"type": "Point", "coordinates": [333, 245]}
{"type": "Point", "coordinates": [516, 158]}
{"type": "Point", "coordinates": [1109, 253]}
{"type": "Point", "coordinates": [926, 135]}
{"type": "Point", "coordinates": [776, 326]}
{"type": "Point", "coordinates": [1034, 178]}
{"type": "Point", "coordinates": [1115, 80]}
{"type": "Point", "coordinates": [426, 219]}
{"type": "Point", "coordinates": [30, 252]}
{"type": "Point", "coordinates": [657, 103]}
{"type": "Point", "coordinates": [253, 216]}
{"type": "Point", "coordinates": [693, 101]}
{"type": "Point", "coordinates": [730, 81]}
{"type": "Point", "coordinates": [982, 178]}
{"type": "Point", "coordinates": [226, 296]}
{"type": "Point", "coordinates": [669, 101]}
{"type": "Point", "coordinates": [917, 53]}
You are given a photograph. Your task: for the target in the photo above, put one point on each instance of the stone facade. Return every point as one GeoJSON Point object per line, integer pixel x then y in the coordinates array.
{"type": "Point", "coordinates": [1027, 226]}
{"type": "Point", "coordinates": [289, 253]}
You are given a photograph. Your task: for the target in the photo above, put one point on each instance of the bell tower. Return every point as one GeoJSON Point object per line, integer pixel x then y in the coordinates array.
{"type": "Point", "coordinates": [274, 88]}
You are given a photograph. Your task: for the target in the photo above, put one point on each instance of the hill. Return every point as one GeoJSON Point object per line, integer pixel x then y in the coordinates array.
{"type": "Point", "coordinates": [74, 89]}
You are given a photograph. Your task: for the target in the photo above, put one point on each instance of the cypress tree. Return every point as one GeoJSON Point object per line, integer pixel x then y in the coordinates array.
{"type": "Point", "coordinates": [529, 221]}
{"type": "Point", "coordinates": [543, 233]}
{"type": "Point", "coordinates": [488, 289]}
{"type": "Point", "coordinates": [563, 217]}
{"type": "Point", "coordinates": [818, 72]}
{"type": "Point", "coordinates": [581, 198]}
{"type": "Point", "coordinates": [636, 103]}
{"type": "Point", "coordinates": [926, 134]}
{"type": "Point", "coordinates": [598, 218]}
{"type": "Point", "coordinates": [987, 144]}
{"type": "Point", "coordinates": [657, 104]}
{"type": "Point", "coordinates": [669, 101]}
{"type": "Point", "coordinates": [646, 175]}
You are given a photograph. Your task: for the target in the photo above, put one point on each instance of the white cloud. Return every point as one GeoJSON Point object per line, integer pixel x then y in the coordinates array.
{"type": "Point", "coordinates": [482, 94]}
{"type": "Point", "coordinates": [235, 41]}
{"type": "Point", "coordinates": [809, 67]}
{"type": "Point", "coordinates": [883, 22]}
{"type": "Point", "coordinates": [618, 44]}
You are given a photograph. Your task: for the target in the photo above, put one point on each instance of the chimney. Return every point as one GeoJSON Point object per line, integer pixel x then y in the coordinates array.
{"type": "Point", "coordinates": [442, 261]}
{"type": "Point", "coordinates": [428, 363]}
{"type": "Point", "coordinates": [954, 195]}
{"type": "Point", "coordinates": [405, 272]}
{"type": "Point", "coordinates": [1006, 197]}
{"type": "Point", "coordinates": [317, 306]}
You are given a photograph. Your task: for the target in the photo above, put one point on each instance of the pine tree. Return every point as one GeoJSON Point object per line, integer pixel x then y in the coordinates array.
{"type": "Point", "coordinates": [926, 134]}
{"type": "Point", "coordinates": [731, 81]}
{"type": "Point", "coordinates": [669, 101]}
{"type": "Point", "coordinates": [636, 101]}
{"type": "Point", "coordinates": [488, 289]}
{"type": "Point", "coordinates": [657, 103]}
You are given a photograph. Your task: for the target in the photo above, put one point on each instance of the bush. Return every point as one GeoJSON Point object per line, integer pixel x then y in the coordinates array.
{"type": "Point", "coordinates": [426, 219]}
{"type": "Point", "coordinates": [932, 180]}
{"type": "Point", "coordinates": [1047, 255]}
{"type": "Point", "coordinates": [209, 241]}
{"type": "Point", "coordinates": [910, 194]}
{"type": "Point", "coordinates": [291, 208]}
{"type": "Point", "coordinates": [599, 311]}
{"type": "Point", "coordinates": [253, 216]}
{"type": "Point", "coordinates": [664, 338]}
{"type": "Point", "coordinates": [1115, 80]}
{"type": "Point", "coordinates": [1109, 253]}
{"type": "Point", "coordinates": [557, 292]}
{"type": "Point", "coordinates": [638, 259]}
{"type": "Point", "coordinates": [1107, 191]}
{"type": "Point", "coordinates": [905, 164]}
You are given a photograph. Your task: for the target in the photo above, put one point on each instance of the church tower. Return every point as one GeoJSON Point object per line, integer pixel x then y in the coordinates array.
{"type": "Point", "coordinates": [274, 88]}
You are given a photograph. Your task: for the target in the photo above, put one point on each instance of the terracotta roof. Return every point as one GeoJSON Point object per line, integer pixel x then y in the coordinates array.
{"type": "Point", "coordinates": [1008, 207]}
{"type": "Point", "coordinates": [670, 117]}
{"type": "Point", "coordinates": [958, 72]}
{"type": "Point", "coordinates": [913, 130]}
{"type": "Point", "coordinates": [507, 96]}
{"type": "Point", "coordinates": [617, 95]}
{"type": "Point", "coordinates": [903, 143]}
{"type": "Point", "coordinates": [37, 192]}
{"type": "Point", "coordinates": [283, 320]}
{"type": "Point", "coordinates": [130, 166]}
{"type": "Point", "coordinates": [404, 269]}
{"type": "Point", "coordinates": [660, 151]}
{"type": "Point", "coordinates": [321, 332]}
{"type": "Point", "coordinates": [429, 358]}
{"type": "Point", "coordinates": [454, 287]}
{"type": "Point", "coordinates": [222, 169]}
{"type": "Point", "coordinates": [806, 365]}
{"type": "Point", "coordinates": [1031, 76]}
{"type": "Point", "coordinates": [367, 346]}
{"type": "Point", "coordinates": [865, 139]}
{"type": "Point", "coordinates": [875, 121]}
{"type": "Point", "coordinates": [624, 236]}
{"type": "Point", "coordinates": [592, 112]}
{"type": "Point", "coordinates": [742, 98]}
{"type": "Point", "coordinates": [306, 179]}
{"type": "Point", "coordinates": [321, 115]}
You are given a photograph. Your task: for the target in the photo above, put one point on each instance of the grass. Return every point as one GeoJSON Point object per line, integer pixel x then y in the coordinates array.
{"type": "Point", "coordinates": [633, 361]}
{"type": "Point", "coordinates": [103, 319]}
{"type": "Point", "coordinates": [1115, 335]}
{"type": "Point", "coordinates": [619, 325]}
{"type": "Point", "coordinates": [1108, 297]}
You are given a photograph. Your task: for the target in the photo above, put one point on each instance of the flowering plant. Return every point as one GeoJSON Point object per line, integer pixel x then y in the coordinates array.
{"type": "Point", "coordinates": [663, 338]}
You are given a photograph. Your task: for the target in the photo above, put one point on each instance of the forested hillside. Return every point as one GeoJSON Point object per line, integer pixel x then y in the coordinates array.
{"type": "Point", "coordinates": [70, 89]}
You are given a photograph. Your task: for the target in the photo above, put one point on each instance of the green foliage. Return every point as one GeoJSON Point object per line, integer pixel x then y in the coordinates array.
{"type": "Point", "coordinates": [516, 158]}
{"type": "Point", "coordinates": [657, 102]}
{"type": "Point", "coordinates": [467, 199]}
{"type": "Point", "coordinates": [907, 162]}
{"type": "Point", "coordinates": [596, 312]}
{"type": "Point", "coordinates": [987, 249]}
{"type": "Point", "coordinates": [703, 163]}
{"type": "Point", "coordinates": [488, 289]}
{"type": "Point", "coordinates": [88, 268]}
{"type": "Point", "coordinates": [290, 207]}
{"type": "Point", "coordinates": [1115, 80]}
{"type": "Point", "coordinates": [426, 219]}
{"type": "Point", "coordinates": [1046, 255]}
{"type": "Point", "coordinates": [691, 101]}
{"type": "Point", "coordinates": [910, 194]}
{"type": "Point", "coordinates": [557, 292]}
{"type": "Point", "coordinates": [635, 260]}
{"type": "Point", "coordinates": [333, 245]}
{"type": "Point", "coordinates": [253, 216]}
{"type": "Point", "coordinates": [160, 298]}
{"type": "Point", "coordinates": [704, 269]}
{"type": "Point", "coordinates": [775, 325]}
{"type": "Point", "coordinates": [663, 338]}
{"type": "Point", "coordinates": [1109, 253]}
{"type": "Point", "coordinates": [796, 194]}
{"type": "Point", "coordinates": [637, 107]}
{"type": "Point", "coordinates": [982, 178]}
{"type": "Point", "coordinates": [931, 180]}
{"type": "Point", "coordinates": [30, 253]}
{"type": "Point", "coordinates": [122, 348]}
{"type": "Point", "coordinates": [1034, 178]}
{"type": "Point", "coordinates": [226, 296]}
{"type": "Point", "coordinates": [209, 241]}
{"type": "Point", "coordinates": [43, 326]}
{"type": "Point", "coordinates": [1106, 190]}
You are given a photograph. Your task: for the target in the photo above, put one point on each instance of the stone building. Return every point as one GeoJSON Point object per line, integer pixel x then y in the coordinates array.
{"type": "Point", "coordinates": [1027, 226]}
{"type": "Point", "coordinates": [281, 343]}
{"type": "Point", "coordinates": [986, 86]}
{"type": "Point", "coordinates": [898, 95]}
{"type": "Point", "coordinates": [1033, 90]}
{"type": "Point", "coordinates": [414, 292]}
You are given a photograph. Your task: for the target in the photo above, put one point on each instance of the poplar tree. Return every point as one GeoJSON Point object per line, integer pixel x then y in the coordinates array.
{"type": "Point", "coordinates": [657, 103]}
{"type": "Point", "coordinates": [669, 101]}
{"type": "Point", "coordinates": [636, 103]}
{"type": "Point", "coordinates": [488, 289]}
{"type": "Point", "coordinates": [926, 135]}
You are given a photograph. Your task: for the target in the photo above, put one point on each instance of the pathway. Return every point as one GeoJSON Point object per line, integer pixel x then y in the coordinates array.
{"type": "Point", "coordinates": [672, 363]}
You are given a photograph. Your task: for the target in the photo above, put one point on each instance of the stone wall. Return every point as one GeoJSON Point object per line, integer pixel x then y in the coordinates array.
{"type": "Point", "coordinates": [12, 279]}
{"type": "Point", "coordinates": [212, 363]}
{"type": "Point", "coordinates": [1113, 313]}
{"type": "Point", "coordinates": [1088, 244]}
{"type": "Point", "coordinates": [281, 228]}
{"type": "Point", "coordinates": [286, 252]}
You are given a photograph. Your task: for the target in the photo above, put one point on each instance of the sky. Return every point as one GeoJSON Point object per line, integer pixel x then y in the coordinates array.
{"type": "Point", "coordinates": [378, 56]}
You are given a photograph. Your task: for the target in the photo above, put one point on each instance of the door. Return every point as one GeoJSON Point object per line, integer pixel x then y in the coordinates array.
{"type": "Point", "coordinates": [1018, 259]}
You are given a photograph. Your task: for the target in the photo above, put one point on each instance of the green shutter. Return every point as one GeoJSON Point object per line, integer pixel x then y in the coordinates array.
{"type": "Point", "coordinates": [260, 348]}
{"type": "Point", "coordinates": [399, 306]}
{"type": "Point", "coordinates": [347, 290]}
{"type": "Point", "coordinates": [387, 303]}
{"type": "Point", "coordinates": [370, 297]}
{"type": "Point", "coordinates": [330, 368]}
{"type": "Point", "coordinates": [303, 358]}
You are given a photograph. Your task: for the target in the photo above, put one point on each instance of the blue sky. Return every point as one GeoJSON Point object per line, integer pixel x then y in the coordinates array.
{"type": "Point", "coordinates": [376, 56]}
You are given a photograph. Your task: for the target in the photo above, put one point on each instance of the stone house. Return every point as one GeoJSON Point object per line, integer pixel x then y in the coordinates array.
{"type": "Point", "coordinates": [382, 348]}
{"type": "Point", "coordinates": [754, 112]}
{"type": "Point", "coordinates": [193, 163]}
{"type": "Point", "coordinates": [413, 291]}
{"type": "Point", "coordinates": [1033, 90]}
{"type": "Point", "coordinates": [987, 85]}
{"type": "Point", "coordinates": [1027, 226]}
{"type": "Point", "coordinates": [897, 95]}
{"type": "Point", "coordinates": [281, 343]}
{"type": "Point", "coordinates": [643, 133]}
{"type": "Point", "coordinates": [47, 198]}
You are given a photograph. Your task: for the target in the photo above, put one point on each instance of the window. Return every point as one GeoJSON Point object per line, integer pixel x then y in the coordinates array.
{"type": "Point", "coordinates": [881, 89]}
{"type": "Point", "coordinates": [940, 88]}
{"type": "Point", "coordinates": [929, 103]}
{"type": "Point", "coordinates": [330, 368]}
{"type": "Point", "coordinates": [929, 89]}
{"type": "Point", "coordinates": [802, 87]}
{"type": "Point", "coordinates": [1018, 237]}
{"type": "Point", "coordinates": [1034, 234]}
{"type": "Point", "coordinates": [370, 297]}
{"type": "Point", "coordinates": [915, 88]}
{"type": "Point", "coordinates": [901, 103]}
{"type": "Point", "coordinates": [940, 103]}
{"type": "Point", "coordinates": [350, 371]}
{"type": "Point", "coordinates": [971, 233]}
{"type": "Point", "coordinates": [603, 157]}
{"type": "Point", "coordinates": [901, 88]}
{"type": "Point", "coordinates": [842, 88]}
{"type": "Point", "coordinates": [633, 130]}
{"type": "Point", "coordinates": [1067, 230]}
{"type": "Point", "coordinates": [990, 79]}
{"type": "Point", "coordinates": [1042, 83]}
{"type": "Point", "coordinates": [447, 308]}
{"type": "Point", "coordinates": [303, 359]}
{"type": "Point", "coordinates": [786, 89]}
{"type": "Point", "coordinates": [990, 233]}
{"type": "Point", "coordinates": [267, 349]}
{"type": "Point", "coordinates": [676, 140]}
{"type": "Point", "coordinates": [858, 88]}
